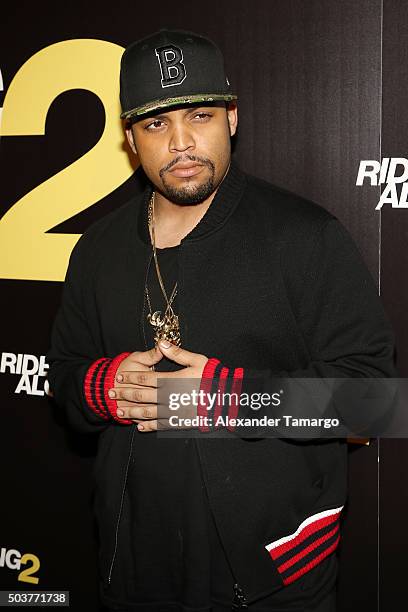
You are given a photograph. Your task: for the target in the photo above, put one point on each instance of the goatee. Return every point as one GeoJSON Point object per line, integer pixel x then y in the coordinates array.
{"type": "Point", "coordinates": [189, 194]}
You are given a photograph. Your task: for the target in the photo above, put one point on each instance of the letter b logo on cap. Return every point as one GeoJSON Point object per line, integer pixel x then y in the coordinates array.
{"type": "Point", "coordinates": [173, 70]}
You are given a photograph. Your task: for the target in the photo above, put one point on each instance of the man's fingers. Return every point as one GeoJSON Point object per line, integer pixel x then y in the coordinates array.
{"type": "Point", "coordinates": [124, 405]}
{"type": "Point", "coordinates": [153, 425]}
{"type": "Point", "coordinates": [150, 357]}
{"type": "Point", "coordinates": [180, 355]}
{"type": "Point", "coordinates": [146, 426]}
{"type": "Point", "coordinates": [144, 378]}
{"type": "Point", "coordinates": [131, 394]}
{"type": "Point", "coordinates": [149, 411]}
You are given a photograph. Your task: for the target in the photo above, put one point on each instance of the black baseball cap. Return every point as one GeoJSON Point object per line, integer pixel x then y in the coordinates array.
{"type": "Point", "coordinates": [168, 68]}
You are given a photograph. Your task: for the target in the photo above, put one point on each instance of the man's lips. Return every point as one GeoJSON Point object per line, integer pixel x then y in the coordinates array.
{"type": "Point", "coordinates": [186, 170]}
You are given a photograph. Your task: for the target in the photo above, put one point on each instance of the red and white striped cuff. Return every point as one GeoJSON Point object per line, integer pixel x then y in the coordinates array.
{"type": "Point", "coordinates": [215, 379]}
{"type": "Point", "coordinates": [315, 538]}
{"type": "Point", "coordinates": [99, 378]}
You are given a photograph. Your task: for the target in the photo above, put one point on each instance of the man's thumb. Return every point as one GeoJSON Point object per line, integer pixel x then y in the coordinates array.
{"type": "Point", "coordinates": [175, 353]}
{"type": "Point", "coordinates": [156, 354]}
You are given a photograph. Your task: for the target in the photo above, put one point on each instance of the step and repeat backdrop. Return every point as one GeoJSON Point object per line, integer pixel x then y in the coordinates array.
{"type": "Point", "coordinates": [321, 88]}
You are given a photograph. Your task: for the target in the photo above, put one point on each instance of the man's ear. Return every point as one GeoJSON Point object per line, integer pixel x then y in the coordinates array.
{"type": "Point", "coordinates": [232, 116]}
{"type": "Point", "coordinates": [130, 137]}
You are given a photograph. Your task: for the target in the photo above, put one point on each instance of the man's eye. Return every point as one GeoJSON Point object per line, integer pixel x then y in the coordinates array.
{"type": "Point", "coordinates": [202, 115]}
{"type": "Point", "coordinates": [154, 125]}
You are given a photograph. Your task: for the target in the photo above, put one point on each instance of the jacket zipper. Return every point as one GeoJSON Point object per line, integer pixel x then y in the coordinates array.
{"type": "Point", "coordinates": [121, 505]}
{"type": "Point", "coordinates": [239, 601]}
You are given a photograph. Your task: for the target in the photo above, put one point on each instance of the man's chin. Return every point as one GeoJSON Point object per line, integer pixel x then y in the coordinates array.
{"type": "Point", "coordinates": [188, 194]}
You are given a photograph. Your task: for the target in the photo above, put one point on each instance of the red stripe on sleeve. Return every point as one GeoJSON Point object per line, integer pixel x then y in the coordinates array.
{"type": "Point", "coordinates": [98, 389]}
{"type": "Point", "coordinates": [307, 550]}
{"type": "Point", "coordinates": [235, 388]}
{"type": "Point", "coordinates": [305, 533]}
{"type": "Point", "coordinates": [312, 563]}
{"type": "Point", "coordinates": [221, 388]}
{"type": "Point", "coordinates": [87, 385]}
{"type": "Point", "coordinates": [205, 387]}
{"type": "Point", "coordinates": [110, 383]}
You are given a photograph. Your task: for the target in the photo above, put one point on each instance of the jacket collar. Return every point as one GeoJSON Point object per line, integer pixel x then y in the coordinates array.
{"type": "Point", "coordinates": [225, 200]}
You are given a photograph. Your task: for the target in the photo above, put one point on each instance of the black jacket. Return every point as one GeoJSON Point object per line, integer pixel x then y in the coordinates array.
{"type": "Point", "coordinates": [268, 282]}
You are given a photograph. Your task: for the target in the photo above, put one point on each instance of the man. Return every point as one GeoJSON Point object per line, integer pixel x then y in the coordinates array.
{"type": "Point", "coordinates": [249, 284]}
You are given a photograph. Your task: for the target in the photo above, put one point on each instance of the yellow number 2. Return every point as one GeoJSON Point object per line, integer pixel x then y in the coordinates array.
{"type": "Point", "coordinates": [26, 575]}
{"type": "Point", "coordinates": [26, 250]}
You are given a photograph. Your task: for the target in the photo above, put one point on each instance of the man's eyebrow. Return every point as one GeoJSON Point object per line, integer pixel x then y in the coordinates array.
{"type": "Point", "coordinates": [154, 117]}
{"type": "Point", "coordinates": [186, 111]}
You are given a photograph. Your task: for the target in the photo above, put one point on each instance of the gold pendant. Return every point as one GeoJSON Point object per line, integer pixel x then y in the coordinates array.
{"type": "Point", "coordinates": [166, 327]}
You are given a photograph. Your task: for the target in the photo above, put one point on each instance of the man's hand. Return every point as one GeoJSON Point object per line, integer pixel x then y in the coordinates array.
{"type": "Point", "coordinates": [136, 385]}
{"type": "Point", "coordinates": [139, 361]}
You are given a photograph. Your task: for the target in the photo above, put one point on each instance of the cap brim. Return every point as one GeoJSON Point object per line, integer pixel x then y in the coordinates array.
{"type": "Point", "coordinates": [158, 104]}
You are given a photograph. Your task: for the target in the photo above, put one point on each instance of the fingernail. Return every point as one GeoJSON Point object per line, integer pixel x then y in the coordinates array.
{"type": "Point", "coordinates": [111, 393]}
{"type": "Point", "coordinates": [120, 413]}
{"type": "Point", "coordinates": [140, 426]}
{"type": "Point", "coordinates": [119, 378]}
{"type": "Point", "coordinates": [165, 343]}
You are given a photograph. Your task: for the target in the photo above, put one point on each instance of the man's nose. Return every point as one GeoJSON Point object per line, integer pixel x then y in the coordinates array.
{"type": "Point", "coordinates": [181, 138]}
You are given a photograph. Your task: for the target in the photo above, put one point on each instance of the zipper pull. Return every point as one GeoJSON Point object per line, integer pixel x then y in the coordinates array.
{"type": "Point", "coordinates": [239, 602]}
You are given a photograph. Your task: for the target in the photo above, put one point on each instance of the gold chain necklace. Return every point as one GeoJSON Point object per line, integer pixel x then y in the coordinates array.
{"type": "Point", "coordinates": [166, 326]}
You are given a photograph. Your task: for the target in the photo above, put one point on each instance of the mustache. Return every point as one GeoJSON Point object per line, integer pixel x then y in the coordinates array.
{"type": "Point", "coordinates": [183, 158]}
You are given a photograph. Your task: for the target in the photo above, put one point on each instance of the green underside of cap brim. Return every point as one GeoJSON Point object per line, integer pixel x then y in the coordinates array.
{"type": "Point", "coordinates": [157, 104]}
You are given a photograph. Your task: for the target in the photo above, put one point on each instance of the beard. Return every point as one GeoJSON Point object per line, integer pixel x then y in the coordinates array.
{"type": "Point", "coordinates": [189, 193]}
